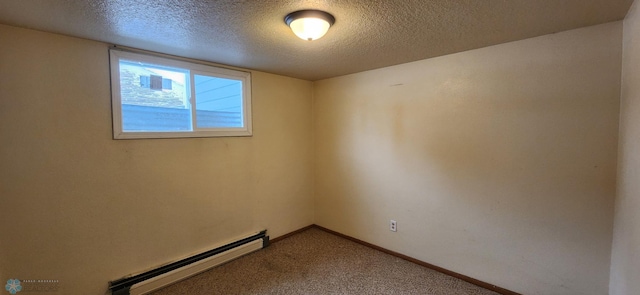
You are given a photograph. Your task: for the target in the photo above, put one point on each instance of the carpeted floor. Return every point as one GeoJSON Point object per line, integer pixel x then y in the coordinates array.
{"type": "Point", "coordinates": [317, 262]}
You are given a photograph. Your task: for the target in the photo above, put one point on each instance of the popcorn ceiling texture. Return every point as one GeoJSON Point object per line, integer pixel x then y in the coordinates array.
{"type": "Point", "coordinates": [252, 34]}
{"type": "Point", "coordinates": [316, 262]}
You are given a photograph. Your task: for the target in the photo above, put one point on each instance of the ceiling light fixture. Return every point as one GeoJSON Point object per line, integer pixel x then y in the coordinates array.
{"type": "Point", "coordinates": [309, 24]}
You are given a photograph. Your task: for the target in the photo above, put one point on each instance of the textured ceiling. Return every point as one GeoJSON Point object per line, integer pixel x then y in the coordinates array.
{"type": "Point", "coordinates": [252, 34]}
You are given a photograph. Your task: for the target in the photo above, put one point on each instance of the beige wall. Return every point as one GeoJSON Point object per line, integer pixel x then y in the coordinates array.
{"type": "Point", "coordinates": [497, 163]}
{"type": "Point", "coordinates": [625, 259]}
{"type": "Point", "coordinates": [84, 209]}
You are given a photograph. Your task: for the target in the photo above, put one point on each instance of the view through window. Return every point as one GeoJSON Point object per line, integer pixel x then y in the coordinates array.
{"type": "Point", "coordinates": [155, 97]}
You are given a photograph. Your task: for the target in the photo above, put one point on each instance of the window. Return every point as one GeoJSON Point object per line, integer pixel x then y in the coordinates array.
{"type": "Point", "coordinates": [156, 97]}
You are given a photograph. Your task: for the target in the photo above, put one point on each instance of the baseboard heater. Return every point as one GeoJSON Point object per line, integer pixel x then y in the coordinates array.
{"type": "Point", "coordinates": [152, 280]}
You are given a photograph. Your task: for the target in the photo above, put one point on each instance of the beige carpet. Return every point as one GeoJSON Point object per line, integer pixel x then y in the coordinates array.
{"type": "Point", "coordinates": [317, 262]}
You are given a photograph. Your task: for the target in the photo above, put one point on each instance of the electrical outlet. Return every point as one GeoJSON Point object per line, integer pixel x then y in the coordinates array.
{"type": "Point", "coordinates": [393, 226]}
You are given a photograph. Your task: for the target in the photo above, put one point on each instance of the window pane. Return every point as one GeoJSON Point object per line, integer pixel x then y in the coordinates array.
{"type": "Point", "coordinates": [154, 98]}
{"type": "Point", "coordinates": [218, 102]}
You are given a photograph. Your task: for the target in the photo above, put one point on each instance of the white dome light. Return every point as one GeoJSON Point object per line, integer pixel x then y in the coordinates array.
{"type": "Point", "coordinates": [309, 24]}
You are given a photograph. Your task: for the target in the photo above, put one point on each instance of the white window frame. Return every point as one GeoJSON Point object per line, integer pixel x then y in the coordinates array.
{"type": "Point", "coordinates": [116, 99]}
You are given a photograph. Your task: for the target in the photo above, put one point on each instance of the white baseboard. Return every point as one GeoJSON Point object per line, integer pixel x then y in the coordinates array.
{"type": "Point", "coordinates": [192, 269]}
